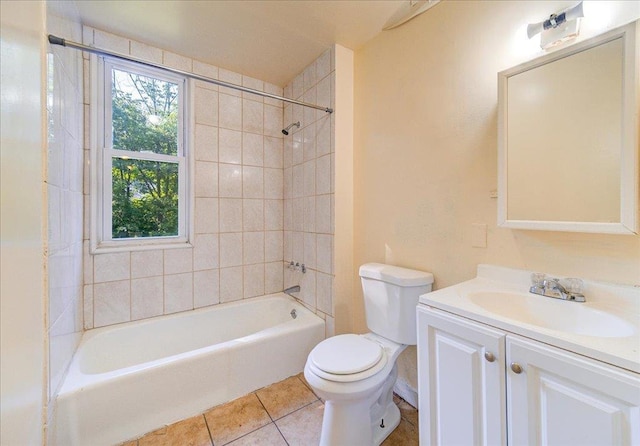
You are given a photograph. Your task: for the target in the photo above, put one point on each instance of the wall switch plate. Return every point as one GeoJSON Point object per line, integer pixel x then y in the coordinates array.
{"type": "Point", "coordinates": [479, 235]}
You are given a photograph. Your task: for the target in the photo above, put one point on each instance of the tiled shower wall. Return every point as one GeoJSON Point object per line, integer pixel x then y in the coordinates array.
{"type": "Point", "coordinates": [64, 192]}
{"type": "Point", "coordinates": [309, 160]}
{"type": "Point", "coordinates": [238, 218]}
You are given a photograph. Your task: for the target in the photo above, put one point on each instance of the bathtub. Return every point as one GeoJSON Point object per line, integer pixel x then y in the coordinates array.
{"type": "Point", "coordinates": [129, 379]}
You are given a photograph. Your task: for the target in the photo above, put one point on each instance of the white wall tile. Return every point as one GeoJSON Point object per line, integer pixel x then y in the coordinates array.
{"type": "Point", "coordinates": [177, 61]}
{"type": "Point", "coordinates": [273, 215]}
{"type": "Point", "coordinates": [178, 292]}
{"type": "Point", "coordinates": [206, 288]}
{"type": "Point", "coordinates": [230, 111]}
{"type": "Point", "coordinates": [232, 78]}
{"type": "Point", "coordinates": [111, 303]}
{"type": "Point", "coordinates": [309, 175]}
{"type": "Point", "coordinates": [146, 52]}
{"type": "Point", "coordinates": [309, 76]}
{"type": "Point", "coordinates": [323, 214]}
{"type": "Point", "coordinates": [324, 258]}
{"type": "Point", "coordinates": [88, 307]}
{"type": "Point", "coordinates": [273, 123]}
{"type": "Point", "coordinates": [273, 183]}
{"type": "Point", "coordinates": [147, 297]}
{"type": "Point", "coordinates": [273, 156]}
{"type": "Point", "coordinates": [297, 214]}
{"type": "Point", "coordinates": [297, 149]}
{"type": "Point", "coordinates": [253, 244]}
{"type": "Point", "coordinates": [309, 114]}
{"type": "Point", "coordinates": [252, 182]}
{"type": "Point", "coordinates": [252, 149]}
{"type": "Point", "coordinates": [309, 142]}
{"type": "Point", "coordinates": [230, 215]}
{"type": "Point", "coordinates": [252, 215]}
{"type": "Point", "coordinates": [178, 260]}
{"type": "Point", "coordinates": [297, 88]}
{"type": "Point", "coordinates": [254, 280]}
{"type": "Point", "coordinates": [206, 143]}
{"type": "Point", "coordinates": [206, 70]}
{"type": "Point", "coordinates": [324, 292]}
{"type": "Point", "coordinates": [147, 264]}
{"type": "Point", "coordinates": [309, 214]}
{"type": "Point", "coordinates": [308, 288]}
{"type": "Point", "coordinates": [252, 116]}
{"type": "Point", "coordinates": [206, 179]}
{"type": "Point", "coordinates": [110, 42]}
{"type": "Point", "coordinates": [297, 188]}
{"type": "Point", "coordinates": [273, 89]}
{"type": "Point", "coordinates": [231, 284]}
{"type": "Point", "coordinates": [111, 266]}
{"type": "Point", "coordinates": [323, 175]}
{"type": "Point", "coordinates": [254, 84]}
{"type": "Point", "coordinates": [273, 277]}
{"type": "Point", "coordinates": [230, 250]}
{"type": "Point", "coordinates": [323, 65]}
{"type": "Point", "coordinates": [230, 180]}
{"type": "Point", "coordinates": [205, 252]}
{"type": "Point", "coordinates": [273, 246]}
{"type": "Point", "coordinates": [230, 146]}
{"type": "Point", "coordinates": [206, 215]}
{"type": "Point", "coordinates": [309, 257]}
{"type": "Point", "coordinates": [206, 107]}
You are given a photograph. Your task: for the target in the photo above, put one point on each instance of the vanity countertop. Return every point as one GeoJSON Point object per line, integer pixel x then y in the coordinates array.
{"type": "Point", "coordinates": [606, 327]}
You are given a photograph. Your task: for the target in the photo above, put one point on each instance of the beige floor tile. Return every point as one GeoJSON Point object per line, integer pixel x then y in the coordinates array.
{"type": "Point", "coordinates": [302, 427]}
{"type": "Point", "coordinates": [407, 411]}
{"type": "Point", "coordinates": [265, 436]}
{"type": "Point", "coordinates": [286, 396]}
{"type": "Point", "coordinates": [236, 418]}
{"type": "Point", "coordinates": [190, 432]}
{"type": "Point", "coordinates": [130, 443]}
{"type": "Point", "coordinates": [406, 434]}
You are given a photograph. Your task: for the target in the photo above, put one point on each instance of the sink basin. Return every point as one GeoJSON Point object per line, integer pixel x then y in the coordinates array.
{"type": "Point", "coordinates": [555, 314]}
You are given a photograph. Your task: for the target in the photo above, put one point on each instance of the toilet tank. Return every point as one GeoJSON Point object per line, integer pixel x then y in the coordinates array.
{"type": "Point", "coordinates": [391, 294]}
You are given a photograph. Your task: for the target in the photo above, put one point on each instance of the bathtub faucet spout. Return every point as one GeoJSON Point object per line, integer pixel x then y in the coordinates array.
{"type": "Point", "coordinates": [292, 289]}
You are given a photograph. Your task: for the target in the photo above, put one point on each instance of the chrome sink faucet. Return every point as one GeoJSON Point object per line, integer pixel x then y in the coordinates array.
{"type": "Point", "coordinates": [551, 287]}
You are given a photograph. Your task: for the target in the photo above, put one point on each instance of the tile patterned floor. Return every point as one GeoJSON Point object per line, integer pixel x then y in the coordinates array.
{"type": "Point", "coordinates": [285, 413]}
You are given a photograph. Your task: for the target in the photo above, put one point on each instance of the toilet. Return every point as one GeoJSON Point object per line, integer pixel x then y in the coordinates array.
{"type": "Point", "coordinates": [355, 374]}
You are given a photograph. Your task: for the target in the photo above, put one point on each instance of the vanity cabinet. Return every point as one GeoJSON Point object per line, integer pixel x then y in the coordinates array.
{"type": "Point", "coordinates": [482, 386]}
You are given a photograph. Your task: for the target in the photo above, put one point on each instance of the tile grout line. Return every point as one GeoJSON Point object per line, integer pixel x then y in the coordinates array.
{"type": "Point", "coordinates": [208, 429]}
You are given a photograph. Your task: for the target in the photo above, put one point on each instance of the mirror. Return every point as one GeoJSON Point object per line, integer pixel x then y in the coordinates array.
{"type": "Point", "coordinates": [568, 138]}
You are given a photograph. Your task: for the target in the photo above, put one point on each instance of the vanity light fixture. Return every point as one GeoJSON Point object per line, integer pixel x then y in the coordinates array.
{"type": "Point", "coordinates": [558, 28]}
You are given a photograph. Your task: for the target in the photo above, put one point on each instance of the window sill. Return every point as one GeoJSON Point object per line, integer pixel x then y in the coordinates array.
{"type": "Point", "coordinates": [145, 245]}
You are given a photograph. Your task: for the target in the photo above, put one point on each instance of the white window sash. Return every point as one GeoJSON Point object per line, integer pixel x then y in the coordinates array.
{"type": "Point", "coordinates": [101, 183]}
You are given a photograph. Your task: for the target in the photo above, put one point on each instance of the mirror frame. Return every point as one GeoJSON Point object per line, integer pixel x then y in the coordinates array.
{"type": "Point", "coordinates": [628, 223]}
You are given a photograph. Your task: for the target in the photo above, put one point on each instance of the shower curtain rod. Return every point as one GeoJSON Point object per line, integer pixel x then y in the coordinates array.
{"type": "Point", "coordinates": [78, 46]}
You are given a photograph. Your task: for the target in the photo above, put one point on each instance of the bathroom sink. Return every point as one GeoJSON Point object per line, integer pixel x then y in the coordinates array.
{"type": "Point", "coordinates": [554, 314]}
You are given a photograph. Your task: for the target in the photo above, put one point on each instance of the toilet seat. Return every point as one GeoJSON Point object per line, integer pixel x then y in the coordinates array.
{"type": "Point", "coordinates": [347, 358]}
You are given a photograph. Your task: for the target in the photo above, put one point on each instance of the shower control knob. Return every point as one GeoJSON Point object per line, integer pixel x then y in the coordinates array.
{"type": "Point", "coordinates": [516, 368]}
{"type": "Point", "coordinates": [490, 357]}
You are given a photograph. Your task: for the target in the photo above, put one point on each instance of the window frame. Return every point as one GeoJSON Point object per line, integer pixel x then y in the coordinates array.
{"type": "Point", "coordinates": [102, 154]}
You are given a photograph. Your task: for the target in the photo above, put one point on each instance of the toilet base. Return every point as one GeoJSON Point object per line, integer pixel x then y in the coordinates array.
{"type": "Point", "coordinates": [391, 419]}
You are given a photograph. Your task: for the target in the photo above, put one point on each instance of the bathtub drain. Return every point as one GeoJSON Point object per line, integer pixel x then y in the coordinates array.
{"type": "Point", "coordinates": [293, 313]}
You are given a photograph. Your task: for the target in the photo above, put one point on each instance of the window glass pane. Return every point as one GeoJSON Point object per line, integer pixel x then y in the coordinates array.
{"type": "Point", "coordinates": [145, 198]}
{"type": "Point", "coordinates": [144, 113]}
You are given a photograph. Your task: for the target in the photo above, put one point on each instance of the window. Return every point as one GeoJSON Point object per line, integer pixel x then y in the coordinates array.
{"type": "Point", "coordinates": [141, 164]}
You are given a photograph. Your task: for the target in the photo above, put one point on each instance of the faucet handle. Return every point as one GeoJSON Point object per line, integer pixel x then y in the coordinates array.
{"type": "Point", "coordinates": [537, 279]}
{"type": "Point", "coordinates": [573, 285]}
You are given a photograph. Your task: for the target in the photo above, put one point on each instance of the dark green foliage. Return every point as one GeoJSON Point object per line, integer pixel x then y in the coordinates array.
{"type": "Point", "coordinates": [145, 193]}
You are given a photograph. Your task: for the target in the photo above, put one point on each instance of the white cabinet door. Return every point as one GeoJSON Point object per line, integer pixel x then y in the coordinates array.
{"type": "Point", "coordinates": [461, 381]}
{"type": "Point", "coordinates": [560, 398]}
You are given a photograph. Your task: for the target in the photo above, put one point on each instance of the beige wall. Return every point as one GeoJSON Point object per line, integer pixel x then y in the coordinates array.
{"type": "Point", "coordinates": [23, 224]}
{"type": "Point", "coordinates": [426, 151]}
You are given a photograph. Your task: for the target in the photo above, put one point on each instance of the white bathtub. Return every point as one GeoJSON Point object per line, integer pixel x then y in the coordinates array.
{"type": "Point", "coordinates": [128, 379]}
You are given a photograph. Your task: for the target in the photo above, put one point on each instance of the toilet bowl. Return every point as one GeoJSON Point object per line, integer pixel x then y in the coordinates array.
{"type": "Point", "coordinates": [355, 374]}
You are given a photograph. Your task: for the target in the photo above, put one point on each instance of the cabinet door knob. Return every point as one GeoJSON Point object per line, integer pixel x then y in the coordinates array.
{"type": "Point", "coordinates": [489, 356]}
{"type": "Point", "coordinates": [516, 368]}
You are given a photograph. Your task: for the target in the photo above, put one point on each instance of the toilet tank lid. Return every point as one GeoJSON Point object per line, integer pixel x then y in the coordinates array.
{"type": "Point", "coordinates": [395, 274]}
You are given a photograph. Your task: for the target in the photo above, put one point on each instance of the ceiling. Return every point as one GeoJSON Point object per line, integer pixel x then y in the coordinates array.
{"type": "Point", "coordinates": [271, 40]}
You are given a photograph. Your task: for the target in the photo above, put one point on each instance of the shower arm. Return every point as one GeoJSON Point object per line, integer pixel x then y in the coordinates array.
{"type": "Point", "coordinates": [54, 40]}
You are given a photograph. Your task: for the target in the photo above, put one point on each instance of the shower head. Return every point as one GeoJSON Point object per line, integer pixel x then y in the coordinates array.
{"type": "Point", "coordinates": [285, 131]}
